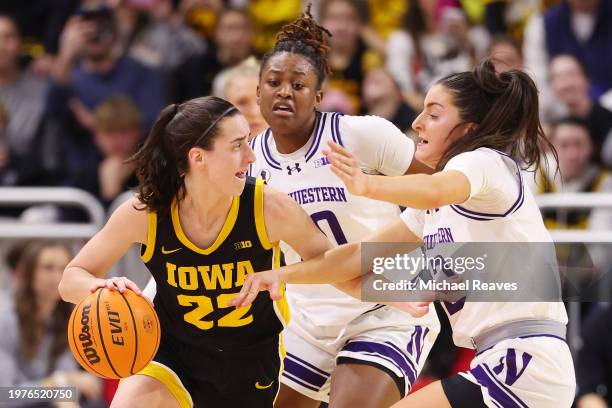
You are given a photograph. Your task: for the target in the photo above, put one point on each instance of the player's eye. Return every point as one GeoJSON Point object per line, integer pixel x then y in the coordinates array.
{"type": "Point", "coordinates": [297, 86]}
{"type": "Point", "coordinates": [273, 82]}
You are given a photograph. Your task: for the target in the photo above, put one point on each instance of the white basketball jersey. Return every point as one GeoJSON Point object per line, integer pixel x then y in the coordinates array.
{"type": "Point", "coordinates": [306, 176]}
{"type": "Point", "coordinates": [500, 209]}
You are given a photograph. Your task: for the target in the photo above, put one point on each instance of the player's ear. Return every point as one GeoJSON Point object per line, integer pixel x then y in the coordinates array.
{"type": "Point", "coordinates": [470, 127]}
{"type": "Point", "coordinates": [257, 95]}
{"type": "Point", "coordinates": [318, 99]}
{"type": "Point", "coordinates": [196, 156]}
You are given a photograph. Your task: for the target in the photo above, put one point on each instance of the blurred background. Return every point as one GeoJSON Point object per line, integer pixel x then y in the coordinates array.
{"type": "Point", "coordinates": [81, 83]}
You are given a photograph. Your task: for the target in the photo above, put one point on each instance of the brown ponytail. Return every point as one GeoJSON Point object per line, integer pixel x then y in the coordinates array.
{"type": "Point", "coordinates": [505, 108]}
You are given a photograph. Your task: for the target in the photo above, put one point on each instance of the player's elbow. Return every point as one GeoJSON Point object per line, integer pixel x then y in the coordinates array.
{"type": "Point", "coordinates": [66, 285]}
{"type": "Point", "coordinates": [63, 286]}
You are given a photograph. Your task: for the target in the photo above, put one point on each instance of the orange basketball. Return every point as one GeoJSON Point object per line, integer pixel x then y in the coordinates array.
{"type": "Point", "coordinates": [113, 334]}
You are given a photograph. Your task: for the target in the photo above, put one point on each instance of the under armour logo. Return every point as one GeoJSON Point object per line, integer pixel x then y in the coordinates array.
{"type": "Point", "coordinates": [296, 168]}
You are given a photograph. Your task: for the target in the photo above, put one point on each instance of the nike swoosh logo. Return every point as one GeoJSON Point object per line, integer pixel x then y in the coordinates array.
{"type": "Point", "coordinates": [169, 251]}
{"type": "Point", "coordinates": [263, 387]}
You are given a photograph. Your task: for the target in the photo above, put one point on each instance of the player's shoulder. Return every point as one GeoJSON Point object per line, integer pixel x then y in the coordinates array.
{"type": "Point", "coordinates": [362, 131]}
{"type": "Point", "coordinates": [277, 203]}
{"type": "Point", "coordinates": [257, 139]}
{"type": "Point", "coordinates": [350, 121]}
{"type": "Point", "coordinates": [135, 214]}
{"type": "Point", "coordinates": [482, 157]}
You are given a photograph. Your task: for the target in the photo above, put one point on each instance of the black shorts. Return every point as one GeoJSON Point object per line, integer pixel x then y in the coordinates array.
{"type": "Point", "coordinates": [214, 378]}
{"type": "Point", "coordinates": [462, 393]}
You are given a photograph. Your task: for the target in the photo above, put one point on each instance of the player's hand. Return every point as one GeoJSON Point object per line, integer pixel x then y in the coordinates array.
{"type": "Point", "coordinates": [345, 165]}
{"type": "Point", "coordinates": [255, 283]}
{"type": "Point", "coordinates": [416, 309]}
{"type": "Point", "coordinates": [118, 283]}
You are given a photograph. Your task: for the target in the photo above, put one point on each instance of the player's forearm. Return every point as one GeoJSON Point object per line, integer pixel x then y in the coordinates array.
{"type": "Point", "coordinates": [76, 284]}
{"type": "Point", "coordinates": [339, 264]}
{"type": "Point", "coordinates": [420, 191]}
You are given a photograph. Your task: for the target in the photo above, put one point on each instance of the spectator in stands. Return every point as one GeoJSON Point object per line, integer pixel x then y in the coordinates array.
{"type": "Point", "coordinates": [505, 53]}
{"type": "Point", "coordinates": [201, 16]}
{"type": "Point", "coordinates": [428, 47]}
{"type": "Point", "coordinates": [577, 173]}
{"type": "Point", "coordinates": [594, 365]}
{"type": "Point", "coordinates": [382, 97]}
{"type": "Point", "coordinates": [21, 93]}
{"type": "Point", "coordinates": [233, 42]}
{"type": "Point", "coordinates": [238, 85]}
{"type": "Point", "coordinates": [268, 17]}
{"type": "Point", "coordinates": [4, 158]}
{"type": "Point", "coordinates": [580, 28]}
{"type": "Point", "coordinates": [336, 100]}
{"type": "Point", "coordinates": [149, 34]}
{"type": "Point", "coordinates": [582, 263]}
{"type": "Point", "coordinates": [569, 83]}
{"type": "Point", "coordinates": [40, 23]}
{"type": "Point", "coordinates": [86, 71]}
{"type": "Point", "coordinates": [33, 324]}
{"type": "Point", "coordinates": [117, 132]}
{"type": "Point", "coordinates": [348, 52]}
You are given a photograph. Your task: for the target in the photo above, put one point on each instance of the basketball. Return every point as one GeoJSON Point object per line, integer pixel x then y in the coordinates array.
{"type": "Point", "coordinates": [113, 334]}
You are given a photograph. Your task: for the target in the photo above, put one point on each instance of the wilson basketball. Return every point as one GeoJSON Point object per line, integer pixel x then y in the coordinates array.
{"type": "Point", "coordinates": [113, 334]}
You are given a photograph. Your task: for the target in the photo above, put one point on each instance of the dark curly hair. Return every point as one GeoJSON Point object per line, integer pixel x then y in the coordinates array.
{"type": "Point", "coordinates": [505, 108]}
{"type": "Point", "coordinates": [161, 163]}
{"type": "Point", "coordinates": [305, 37]}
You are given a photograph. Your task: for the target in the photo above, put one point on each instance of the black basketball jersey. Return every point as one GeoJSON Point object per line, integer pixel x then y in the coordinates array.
{"type": "Point", "coordinates": [194, 285]}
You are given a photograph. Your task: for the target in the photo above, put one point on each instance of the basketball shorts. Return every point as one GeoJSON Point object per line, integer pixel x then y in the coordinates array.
{"type": "Point", "coordinates": [216, 378]}
{"type": "Point", "coordinates": [518, 373]}
{"type": "Point", "coordinates": [383, 337]}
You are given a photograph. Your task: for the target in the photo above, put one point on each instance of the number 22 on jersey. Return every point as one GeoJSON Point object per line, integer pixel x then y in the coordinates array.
{"type": "Point", "coordinates": [224, 276]}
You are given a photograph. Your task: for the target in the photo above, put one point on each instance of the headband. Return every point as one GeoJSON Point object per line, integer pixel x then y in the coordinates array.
{"type": "Point", "coordinates": [214, 122]}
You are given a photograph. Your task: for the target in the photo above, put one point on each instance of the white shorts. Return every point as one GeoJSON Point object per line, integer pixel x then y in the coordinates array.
{"type": "Point", "coordinates": [384, 337]}
{"type": "Point", "coordinates": [525, 372]}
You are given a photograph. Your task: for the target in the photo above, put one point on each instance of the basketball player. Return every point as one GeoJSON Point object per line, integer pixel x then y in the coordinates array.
{"type": "Point", "coordinates": [475, 127]}
{"type": "Point", "coordinates": [339, 350]}
{"type": "Point", "coordinates": [204, 225]}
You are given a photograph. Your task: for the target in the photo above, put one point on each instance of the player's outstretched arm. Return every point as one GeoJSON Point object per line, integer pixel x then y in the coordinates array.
{"type": "Point", "coordinates": [395, 235]}
{"type": "Point", "coordinates": [84, 273]}
{"type": "Point", "coordinates": [420, 191]}
{"type": "Point", "coordinates": [340, 266]}
{"type": "Point", "coordinates": [287, 221]}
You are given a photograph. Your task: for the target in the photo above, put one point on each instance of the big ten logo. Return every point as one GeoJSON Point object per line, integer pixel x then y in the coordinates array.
{"type": "Point", "coordinates": [242, 245]}
{"type": "Point", "coordinates": [216, 276]}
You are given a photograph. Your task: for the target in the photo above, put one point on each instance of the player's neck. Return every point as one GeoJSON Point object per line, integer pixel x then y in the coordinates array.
{"type": "Point", "coordinates": [204, 203]}
{"type": "Point", "coordinates": [290, 142]}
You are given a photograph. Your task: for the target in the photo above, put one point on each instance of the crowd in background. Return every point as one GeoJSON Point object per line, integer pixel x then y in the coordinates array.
{"type": "Point", "coordinates": [81, 82]}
